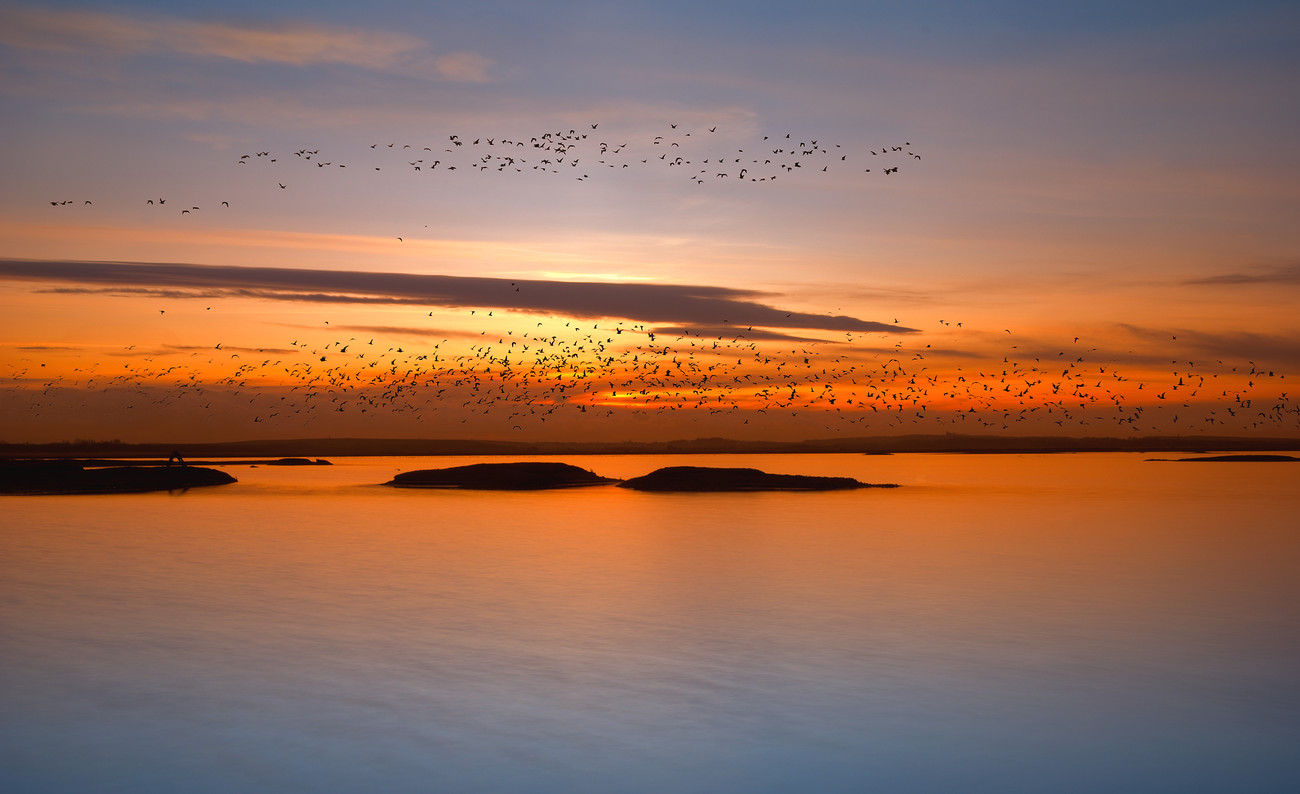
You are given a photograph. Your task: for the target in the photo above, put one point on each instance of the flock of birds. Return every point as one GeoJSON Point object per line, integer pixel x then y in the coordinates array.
{"type": "Point", "coordinates": [515, 378]}
{"type": "Point", "coordinates": [519, 377]}
{"type": "Point", "coordinates": [584, 153]}
{"type": "Point", "coordinates": [701, 156]}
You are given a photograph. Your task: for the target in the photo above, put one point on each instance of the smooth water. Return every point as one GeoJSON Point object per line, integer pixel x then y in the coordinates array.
{"type": "Point", "coordinates": [999, 623]}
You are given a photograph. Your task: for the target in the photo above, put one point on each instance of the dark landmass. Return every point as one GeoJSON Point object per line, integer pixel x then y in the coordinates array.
{"type": "Point", "coordinates": [705, 478]}
{"type": "Point", "coordinates": [347, 447]}
{"type": "Point", "coordinates": [522, 476]}
{"type": "Point", "coordinates": [99, 463]}
{"type": "Point", "coordinates": [72, 477]}
{"type": "Point", "coordinates": [1232, 459]}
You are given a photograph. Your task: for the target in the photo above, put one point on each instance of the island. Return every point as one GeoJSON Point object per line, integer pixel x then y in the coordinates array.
{"type": "Point", "coordinates": [1232, 459]}
{"type": "Point", "coordinates": [521, 476]}
{"type": "Point", "coordinates": [705, 478]}
{"type": "Point", "coordinates": [76, 477]}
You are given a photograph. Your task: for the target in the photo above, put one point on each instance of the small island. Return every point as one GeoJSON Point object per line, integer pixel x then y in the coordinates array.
{"type": "Point", "coordinates": [704, 478]}
{"type": "Point", "coordinates": [523, 476]}
{"type": "Point", "coordinates": [75, 477]}
{"type": "Point", "coordinates": [296, 462]}
{"type": "Point", "coordinates": [1232, 459]}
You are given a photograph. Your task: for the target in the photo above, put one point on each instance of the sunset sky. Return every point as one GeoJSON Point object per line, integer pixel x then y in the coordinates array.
{"type": "Point", "coordinates": [585, 219]}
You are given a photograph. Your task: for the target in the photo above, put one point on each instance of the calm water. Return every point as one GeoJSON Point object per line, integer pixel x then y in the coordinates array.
{"type": "Point", "coordinates": [1001, 623]}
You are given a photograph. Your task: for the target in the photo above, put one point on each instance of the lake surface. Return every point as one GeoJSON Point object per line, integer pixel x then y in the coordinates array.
{"type": "Point", "coordinates": [1085, 623]}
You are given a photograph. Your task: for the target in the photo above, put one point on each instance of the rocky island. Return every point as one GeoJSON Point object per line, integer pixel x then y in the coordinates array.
{"type": "Point", "coordinates": [1232, 459]}
{"type": "Point", "coordinates": [75, 477]}
{"type": "Point", "coordinates": [704, 478]}
{"type": "Point", "coordinates": [523, 476]}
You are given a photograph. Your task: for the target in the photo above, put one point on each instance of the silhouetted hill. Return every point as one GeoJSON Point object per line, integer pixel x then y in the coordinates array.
{"type": "Point", "coordinates": [709, 478]}
{"type": "Point", "coordinates": [518, 476]}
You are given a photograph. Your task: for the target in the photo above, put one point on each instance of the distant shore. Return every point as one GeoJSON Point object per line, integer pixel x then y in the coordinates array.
{"type": "Point", "coordinates": [160, 460]}
{"type": "Point", "coordinates": [1232, 459]}
{"type": "Point", "coordinates": [366, 447]}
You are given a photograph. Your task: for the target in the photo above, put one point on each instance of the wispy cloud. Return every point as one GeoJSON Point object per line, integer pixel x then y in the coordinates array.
{"type": "Point", "coordinates": [293, 44]}
{"type": "Point", "coordinates": [279, 351]}
{"type": "Point", "coordinates": [734, 332]}
{"type": "Point", "coordinates": [1236, 346]}
{"type": "Point", "coordinates": [133, 292]}
{"type": "Point", "coordinates": [654, 303]}
{"type": "Point", "coordinates": [465, 67]}
{"type": "Point", "coordinates": [1282, 274]}
{"type": "Point", "coordinates": [406, 330]}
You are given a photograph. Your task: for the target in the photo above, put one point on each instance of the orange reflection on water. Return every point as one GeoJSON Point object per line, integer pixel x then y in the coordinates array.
{"type": "Point", "coordinates": [988, 551]}
{"type": "Point", "coordinates": [989, 604]}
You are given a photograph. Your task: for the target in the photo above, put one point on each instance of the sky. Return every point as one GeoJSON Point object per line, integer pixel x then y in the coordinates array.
{"type": "Point", "coordinates": [644, 221]}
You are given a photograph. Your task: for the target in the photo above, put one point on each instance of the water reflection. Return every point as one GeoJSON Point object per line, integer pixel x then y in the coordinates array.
{"type": "Point", "coordinates": [999, 623]}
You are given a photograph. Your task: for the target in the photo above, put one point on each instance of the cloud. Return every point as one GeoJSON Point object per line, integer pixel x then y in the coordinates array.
{"type": "Point", "coordinates": [217, 141]}
{"type": "Point", "coordinates": [278, 351]}
{"type": "Point", "coordinates": [1281, 274]}
{"type": "Point", "coordinates": [323, 297]}
{"type": "Point", "coordinates": [1234, 346]}
{"type": "Point", "coordinates": [133, 292]}
{"type": "Point", "coordinates": [464, 67]}
{"type": "Point", "coordinates": [741, 333]}
{"type": "Point", "coordinates": [293, 44]}
{"type": "Point", "coordinates": [405, 330]}
{"type": "Point", "coordinates": [654, 303]}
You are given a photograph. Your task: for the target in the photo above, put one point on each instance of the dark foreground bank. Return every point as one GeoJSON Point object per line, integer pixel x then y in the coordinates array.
{"type": "Point", "coordinates": [73, 477]}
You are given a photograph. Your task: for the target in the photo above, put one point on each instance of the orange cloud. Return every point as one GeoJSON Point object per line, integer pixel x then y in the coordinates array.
{"type": "Point", "coordinates": [464, 67]}
{"type": "Point", "coordinates": [294, 44]}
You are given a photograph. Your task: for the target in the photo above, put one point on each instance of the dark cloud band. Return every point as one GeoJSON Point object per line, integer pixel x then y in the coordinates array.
{"type": "Point", "coordinates": [656, 303]}
{"type": "Point", "coordinates": [1279, 275]}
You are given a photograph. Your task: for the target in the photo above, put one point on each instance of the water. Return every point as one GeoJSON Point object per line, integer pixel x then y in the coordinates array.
{"type": "Point", "coordinates": [1000, 623]}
